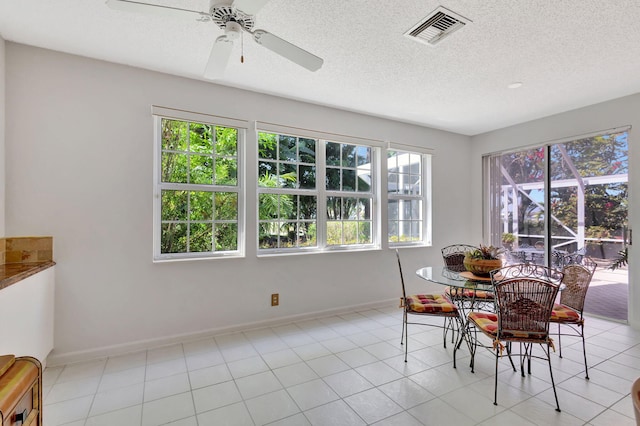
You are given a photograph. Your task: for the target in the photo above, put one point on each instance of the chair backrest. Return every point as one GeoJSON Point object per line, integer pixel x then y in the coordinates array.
{"type": "Point", "coordinates": [576, 280]}
{"type": "Point", "coordinates": [524, 308]}
{"type": "Point", "coordinates": [453, 256]}
{"type": "Point", "coordinates": [635, 397]}
{"type": "Point", "coordinates": [404, 293]}
{"type": "Point", "coordinates": [526, 270]}
{"type": "Point", "coordinates": [574, 258]}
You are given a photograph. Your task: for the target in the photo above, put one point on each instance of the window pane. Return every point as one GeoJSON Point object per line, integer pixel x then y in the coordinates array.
{"type": "Point", "coordinates": [333, 179]}
{"type": "Point", "coordinates": [365, 208]}
{"type": "Point", "coordinates": [364, 233]}
{"type": "Point", "coordinates": [308, 234]}
{"type": "Point", "coordinates": [201, 169]}
{"type": "Point", "coordinates": [348, 180]}
{"type": "Point", "coordinates": [226, 141]}
{"type": "Point", "coordinates": [201, 237]}
{"type": "Point", "coordinates": [226, 171]}
{"type": "Point", "coordinates": [174, 168]}
{"type": "Point", "coordinates": [334, 208]}
{"type": "Point", "coordinates": [267, 146]}
{"type": "Point", "coordinates": [174, 205]}
{"type": "Point", "coordinates": [333, 154]}
{"type": "Point", "coordinates": [334, 233]}
{"type": "Point", "coordinates": [201, 205]}
{"type": "Point", "coordinates": [348, 155]}
{"type": "Point", "coordinates": [364, 155]}
{"type": "Point", "coordinates": [174, 238]}
{"type": "Point", "coordinates": [267, 174]}
{"type": "Point", "coordinates": [364, 181]}
{"type": "Point", "coordinates": [174, 135]}
{"type": "Point", "coordinates": [392, 184]}
{"type": "Point", "coordinates": [287, 148]}
{"type": "Point", "coordinates": [307, 176]}
{"type": "Point", "coordinates": [287, 175]}
{"type": "Point", "coordinates": [226, 237]}
{"type": "Point", "coordinates": [226, 206]}
{"type": "Point", "coordinates": [308, 207]}
{"type": "Point", "coordinates": [392, 209]}
{"type": "Point", "coordinates": [307, 148]}
{"type": "Point", "coordinates": [200, 138]}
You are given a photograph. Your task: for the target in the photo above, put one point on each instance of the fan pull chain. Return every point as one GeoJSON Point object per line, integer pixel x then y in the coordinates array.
{"type": "Point", "coordinates": [242, 48]}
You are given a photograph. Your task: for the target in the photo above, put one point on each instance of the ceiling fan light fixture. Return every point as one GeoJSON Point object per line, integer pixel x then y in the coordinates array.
{"type": "Point", "coordinates": [515, 85]}
{"type": "Point", "coordinates": [232, 30]}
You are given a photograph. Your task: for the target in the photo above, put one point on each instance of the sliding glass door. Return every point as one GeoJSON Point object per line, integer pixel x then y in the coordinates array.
{"type": "Point", "coordinates": [557, 203]}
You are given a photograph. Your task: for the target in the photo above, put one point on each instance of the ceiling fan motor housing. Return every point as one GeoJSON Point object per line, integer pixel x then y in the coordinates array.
{"type": "Point", "coordinates": [223, 15]}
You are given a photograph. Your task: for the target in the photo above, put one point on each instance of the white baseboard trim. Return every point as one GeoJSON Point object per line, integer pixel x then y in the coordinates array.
{"type": "Point", "coordinates": [56, 359]}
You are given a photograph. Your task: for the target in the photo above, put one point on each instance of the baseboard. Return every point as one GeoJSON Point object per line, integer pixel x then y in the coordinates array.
{"type": "Point", "coordinates": [56, 359]}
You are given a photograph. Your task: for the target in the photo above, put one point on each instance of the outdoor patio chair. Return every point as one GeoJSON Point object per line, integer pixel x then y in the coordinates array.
{"type": "Point", "coordinates": [426, 305]}
{"type": "Point", "coordinates": [523, 313]}
{"type": "Point", "coordinates": [569, 311]}
{"type": "Point", "coordinates": [453, 257]}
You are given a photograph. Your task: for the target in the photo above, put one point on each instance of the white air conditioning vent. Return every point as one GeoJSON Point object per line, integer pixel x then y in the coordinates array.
{"type": "Point", "coordinates": [439, 24]}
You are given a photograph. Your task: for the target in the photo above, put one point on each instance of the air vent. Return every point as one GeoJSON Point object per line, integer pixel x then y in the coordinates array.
{"type": "Point", "coordinates": [439, 24]}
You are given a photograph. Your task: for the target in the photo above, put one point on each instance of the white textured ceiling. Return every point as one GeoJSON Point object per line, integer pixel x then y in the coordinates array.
{"type": "Point", "coordinates": [568, 53]}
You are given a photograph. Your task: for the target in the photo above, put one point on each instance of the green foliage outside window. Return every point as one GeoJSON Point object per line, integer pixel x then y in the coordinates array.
{"type": "Point", "coordinates": [206, 220]}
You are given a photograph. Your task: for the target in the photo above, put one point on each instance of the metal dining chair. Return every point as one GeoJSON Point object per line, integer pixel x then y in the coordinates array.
{"type": "Point", "coordinates": [568, 313]}
{"type": "Point", "coordinates": [426, 305]}
{"type": "Point", "coordinates": [453, 257]}
{"type": "Point", "coordinates": [523, 315]}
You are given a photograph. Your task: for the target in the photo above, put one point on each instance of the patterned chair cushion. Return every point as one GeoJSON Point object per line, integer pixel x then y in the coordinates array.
{"type": "Point", "coordinates": [487, 322]}
{"type": "Point", "coordinates": [562, 313]}
{"type": "Point", "coordinates": [431, 304]}
{"type": "Point", "coordinates": [468, 293]}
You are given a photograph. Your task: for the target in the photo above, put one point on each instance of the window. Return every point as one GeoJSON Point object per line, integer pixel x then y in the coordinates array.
{"type": "Point", "coordinates": [287, 210]}
{"type": "Point", "coordinates": [298, 177]}
{"type": "Point", "coordinates": [198, 190]}
{"type": "Point", "coordinates": [349, 194]}
{"type": "Point", "coordinates": [407, 199]}
{"type": "Point", "coordinates": [315, 191]}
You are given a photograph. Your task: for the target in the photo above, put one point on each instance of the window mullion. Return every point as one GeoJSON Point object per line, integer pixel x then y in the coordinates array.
{"type": "Point", "coordinates": [321, 175]}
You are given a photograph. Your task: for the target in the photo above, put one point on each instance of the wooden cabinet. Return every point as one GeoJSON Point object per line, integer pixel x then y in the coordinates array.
{"type": "Point", "coordinates": [20, 391]}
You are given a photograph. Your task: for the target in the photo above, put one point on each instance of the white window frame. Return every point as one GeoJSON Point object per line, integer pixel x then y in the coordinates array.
{"type": "Point", "coordinates": [321, 193]}
{"type": "Point", "coordinates": [160, 113]}
{"type": "Point", "coordinates": [424, 197]}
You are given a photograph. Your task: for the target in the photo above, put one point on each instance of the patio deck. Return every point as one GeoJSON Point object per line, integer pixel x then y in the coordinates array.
{"type": "Point", "coordinates": [608, 293]}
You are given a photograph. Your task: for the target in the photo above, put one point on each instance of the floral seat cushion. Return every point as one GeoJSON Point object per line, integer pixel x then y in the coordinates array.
{"type": "Point", "coordinates": [487, 322]}
{"type": "Point", "coordinates": [431, 304]}
{"type": "Point", "coordinates": [469, 293]}
{"type": "Point", "coordinates": [562, 313]}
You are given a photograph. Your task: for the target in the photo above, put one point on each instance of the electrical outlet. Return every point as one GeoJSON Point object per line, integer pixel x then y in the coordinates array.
{"type": "Point", "coordinates": [275, 299]}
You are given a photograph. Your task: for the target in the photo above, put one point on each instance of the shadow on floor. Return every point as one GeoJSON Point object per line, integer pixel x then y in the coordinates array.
{"type": "Point", "coordinates": [608, 300]}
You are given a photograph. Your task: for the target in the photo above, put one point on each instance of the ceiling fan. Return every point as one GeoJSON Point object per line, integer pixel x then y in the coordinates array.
{"type": "Point", "coordinates": [232, 17]}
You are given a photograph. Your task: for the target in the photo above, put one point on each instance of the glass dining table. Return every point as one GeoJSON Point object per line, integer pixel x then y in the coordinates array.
{"type": "Point", "coordinates": [462, 288]}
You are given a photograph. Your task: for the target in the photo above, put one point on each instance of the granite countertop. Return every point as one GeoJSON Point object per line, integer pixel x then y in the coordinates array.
{"type": "Point", "coordinates": [11, 273]}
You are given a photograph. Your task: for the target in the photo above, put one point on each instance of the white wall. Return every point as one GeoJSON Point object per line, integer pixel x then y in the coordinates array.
{"type": "Point", "coordinates": [79, 147]}
{"type": "Point", "coordinates": [2, 132]}
{"type": "Point", "coordinates": [607, 115]}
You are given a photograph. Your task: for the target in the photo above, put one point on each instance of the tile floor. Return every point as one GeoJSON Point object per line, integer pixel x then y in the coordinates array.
{"type": "Point", "coordinates": [343, 370]}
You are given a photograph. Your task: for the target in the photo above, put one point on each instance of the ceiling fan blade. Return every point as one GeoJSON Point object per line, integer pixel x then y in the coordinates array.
{"type": "Point", "coordinates": [250, 7]}
{"type": "Point", "coordinates": [154, 9]}
{"type": "Point", "coordinates": [288, 50]}
{"type": "Point", "coordinates": [220, 53]}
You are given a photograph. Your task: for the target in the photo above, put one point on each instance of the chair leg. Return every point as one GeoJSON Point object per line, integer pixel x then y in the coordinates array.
{"type": "Point", "coordinates": [405, 332]}
{"type": "Point", "coordinates": [584, 352]}
{"type": "Point", "coordinates": [495, 382]}
{"type": "Point", "coordinates": [553, 384]}
{"type": "Point", "coordinates": [559, 342]}
{"type": "Point", "coordinates": [508, 345]}
{"type": "Point", "coordinates": [444, 332]}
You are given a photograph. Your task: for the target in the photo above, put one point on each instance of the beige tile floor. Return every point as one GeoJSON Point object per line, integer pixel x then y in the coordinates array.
{"type": "Point", "coordinates": [343, 370]}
